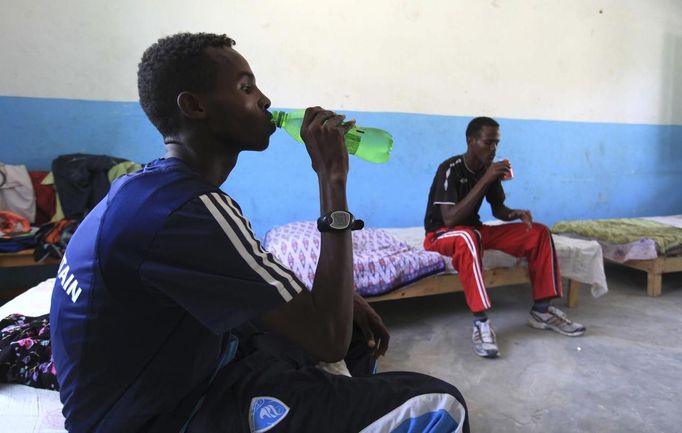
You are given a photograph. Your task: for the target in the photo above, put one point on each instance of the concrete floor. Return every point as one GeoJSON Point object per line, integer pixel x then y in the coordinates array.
{"type": "Point", "coordinates": [623, 375]}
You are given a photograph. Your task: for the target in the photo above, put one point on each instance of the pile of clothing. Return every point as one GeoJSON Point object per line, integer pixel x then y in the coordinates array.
{"type": "Point", "coordinates": [26, 352]}
{"type": "Point", "coordinates": [41, 209]}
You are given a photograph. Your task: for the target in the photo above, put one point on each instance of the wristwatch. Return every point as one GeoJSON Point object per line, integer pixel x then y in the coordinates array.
{"type": "Point", "coordinates": [338, 221]}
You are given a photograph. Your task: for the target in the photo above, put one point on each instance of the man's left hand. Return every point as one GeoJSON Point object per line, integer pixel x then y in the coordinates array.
{"type": "Point", "coordinates": [371, 325]}
{"type": "Point", "coordinates": [523, 215]}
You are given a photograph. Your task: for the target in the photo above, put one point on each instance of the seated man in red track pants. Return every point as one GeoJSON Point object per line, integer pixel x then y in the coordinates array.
{"type": "Point", "coordinates": [453, 228]}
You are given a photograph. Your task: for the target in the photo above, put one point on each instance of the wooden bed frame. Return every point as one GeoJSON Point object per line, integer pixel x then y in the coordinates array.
{"type": "Point", "coordinates": [19, 259]}
{"type": "Point", "coordinates": [23, 258]}
{"type": "Point", "coordinates": [449, 283]}
{"type": "Point", "coordinates": [655, 268]}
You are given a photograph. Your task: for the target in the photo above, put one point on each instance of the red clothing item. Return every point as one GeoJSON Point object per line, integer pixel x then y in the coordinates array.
{"type": "Point", "coordinates": [46, 201]}
{"type": "Point", "coordinates": [13, 223]}
{"type": "Point", "coordinates": [465, 244]}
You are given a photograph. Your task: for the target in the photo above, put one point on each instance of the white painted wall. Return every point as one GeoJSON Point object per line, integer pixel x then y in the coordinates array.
{"type": "Point", "coordinates": [607, 61]}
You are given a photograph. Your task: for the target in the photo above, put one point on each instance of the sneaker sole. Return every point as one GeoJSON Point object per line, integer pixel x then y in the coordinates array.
{"type": "Point", "coordinates": [486, 354]}
{"type": "Point", "coordinates": [539, 325]}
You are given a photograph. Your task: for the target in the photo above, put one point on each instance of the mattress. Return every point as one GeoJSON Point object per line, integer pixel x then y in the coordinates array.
{"type": "Point", "coordinates": [627, 239]}
{"type": "Point", "coordinates": [381, 262]}
{"type": "Point", "coordinates": [580, 260]}
{"type": "Point", "coordinates": [23, 408]}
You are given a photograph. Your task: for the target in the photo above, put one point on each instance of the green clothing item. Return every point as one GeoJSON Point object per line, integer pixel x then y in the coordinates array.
{"type": "Point", "coordinates": [58, 212]}
{"type": "Point", "coordinates": [122, 168]}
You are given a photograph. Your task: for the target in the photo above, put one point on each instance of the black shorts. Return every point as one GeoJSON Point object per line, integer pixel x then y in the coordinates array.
{"type": "Point", "coordinates": [275, 387]}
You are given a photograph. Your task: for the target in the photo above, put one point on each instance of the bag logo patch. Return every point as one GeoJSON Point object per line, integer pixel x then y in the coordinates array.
{"type": "Point", "coordinates": [265, 413]}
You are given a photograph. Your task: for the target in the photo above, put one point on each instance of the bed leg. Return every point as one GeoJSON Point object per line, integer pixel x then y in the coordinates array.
{"type": "Point", "coordinates": [573, 291]}
{"type": "Point", "coordinates": [653, 283]}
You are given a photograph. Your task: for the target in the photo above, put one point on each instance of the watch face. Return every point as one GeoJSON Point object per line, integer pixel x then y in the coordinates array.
{"type": "Point", "coordinates": [340, 220]}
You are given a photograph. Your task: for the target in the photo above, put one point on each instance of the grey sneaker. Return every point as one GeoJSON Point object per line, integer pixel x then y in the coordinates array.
{"type": "Point", "coordinates": [556, 320]}
{"type": "Point", "coordinates": [485, 343]}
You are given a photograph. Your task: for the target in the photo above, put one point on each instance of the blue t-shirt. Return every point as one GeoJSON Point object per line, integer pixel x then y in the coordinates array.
{"type": "Point", "coordinates": [150, 285]}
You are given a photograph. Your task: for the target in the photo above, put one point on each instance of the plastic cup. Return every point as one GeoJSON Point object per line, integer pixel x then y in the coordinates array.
{"type": "Point", "coordinates": [509, 175]}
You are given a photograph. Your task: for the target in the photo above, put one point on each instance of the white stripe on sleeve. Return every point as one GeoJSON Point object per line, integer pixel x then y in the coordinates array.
{"type": "Point", "coordinates": [229, 207]}
{"type": "Point", "coordinates": [248, 256]}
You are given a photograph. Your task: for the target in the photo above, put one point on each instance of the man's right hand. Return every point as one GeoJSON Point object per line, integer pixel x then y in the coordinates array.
{"type": "Point", "coordinates": [495, 171]}
{"type": "Point", "coordinates": [323, 134]}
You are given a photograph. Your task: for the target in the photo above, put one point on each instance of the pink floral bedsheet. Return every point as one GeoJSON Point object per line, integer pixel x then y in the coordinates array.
{"type": "Point", "coordinates": [381, 262]}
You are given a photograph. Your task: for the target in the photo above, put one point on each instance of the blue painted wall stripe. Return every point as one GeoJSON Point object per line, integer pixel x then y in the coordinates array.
{"type": "Point", "coordinates": [563, 170]}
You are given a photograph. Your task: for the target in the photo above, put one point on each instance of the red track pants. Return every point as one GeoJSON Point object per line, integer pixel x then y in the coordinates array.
{"type": "Point", "coordinates": [465, 245]}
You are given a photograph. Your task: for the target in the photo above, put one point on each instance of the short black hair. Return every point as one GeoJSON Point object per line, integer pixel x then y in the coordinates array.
{"type": "Point", "coordinates": [477, 124]}
{"type": "Point", "coordinates": [174, 64]}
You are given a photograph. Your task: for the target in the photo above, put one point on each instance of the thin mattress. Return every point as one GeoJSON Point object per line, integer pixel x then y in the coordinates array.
{"type": "Point", "coordinates": [629, 238]}
{"type": "Point", "coordinates": [386, 259]}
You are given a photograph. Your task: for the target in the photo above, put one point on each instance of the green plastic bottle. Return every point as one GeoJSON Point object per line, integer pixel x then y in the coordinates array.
{"type": "Point", "coordinates": [370, 144]}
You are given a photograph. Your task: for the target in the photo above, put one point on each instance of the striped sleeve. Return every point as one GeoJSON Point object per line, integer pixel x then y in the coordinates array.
{"type": "Point", "coordinates": [238, 231]}
{"type": "Point", "coordinates": [208, 260]}
{"type": "Point", "coordinates": [446, 189]}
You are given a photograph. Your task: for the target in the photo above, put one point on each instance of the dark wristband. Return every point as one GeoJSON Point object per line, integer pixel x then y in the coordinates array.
{"type": "Point", "coordinates": [338, 221]}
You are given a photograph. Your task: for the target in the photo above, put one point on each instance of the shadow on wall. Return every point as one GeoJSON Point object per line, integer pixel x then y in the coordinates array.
{"type": "Point", "coordinates": [669, 143]}
{"type": "Point", "coordinates": [671, 81]}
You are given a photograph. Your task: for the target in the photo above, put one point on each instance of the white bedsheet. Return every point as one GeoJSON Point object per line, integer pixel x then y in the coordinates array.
{"type": "Point", "coordinates": [24, 409]}
{"type": "Point", "coordinates": [33, 302]}
{"type": "Point", "coordinates": [671, 220]}
{"type": "Point", "coordinates": [580, 260]}
{"type": "Point", "coordinates": [30, 410]}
